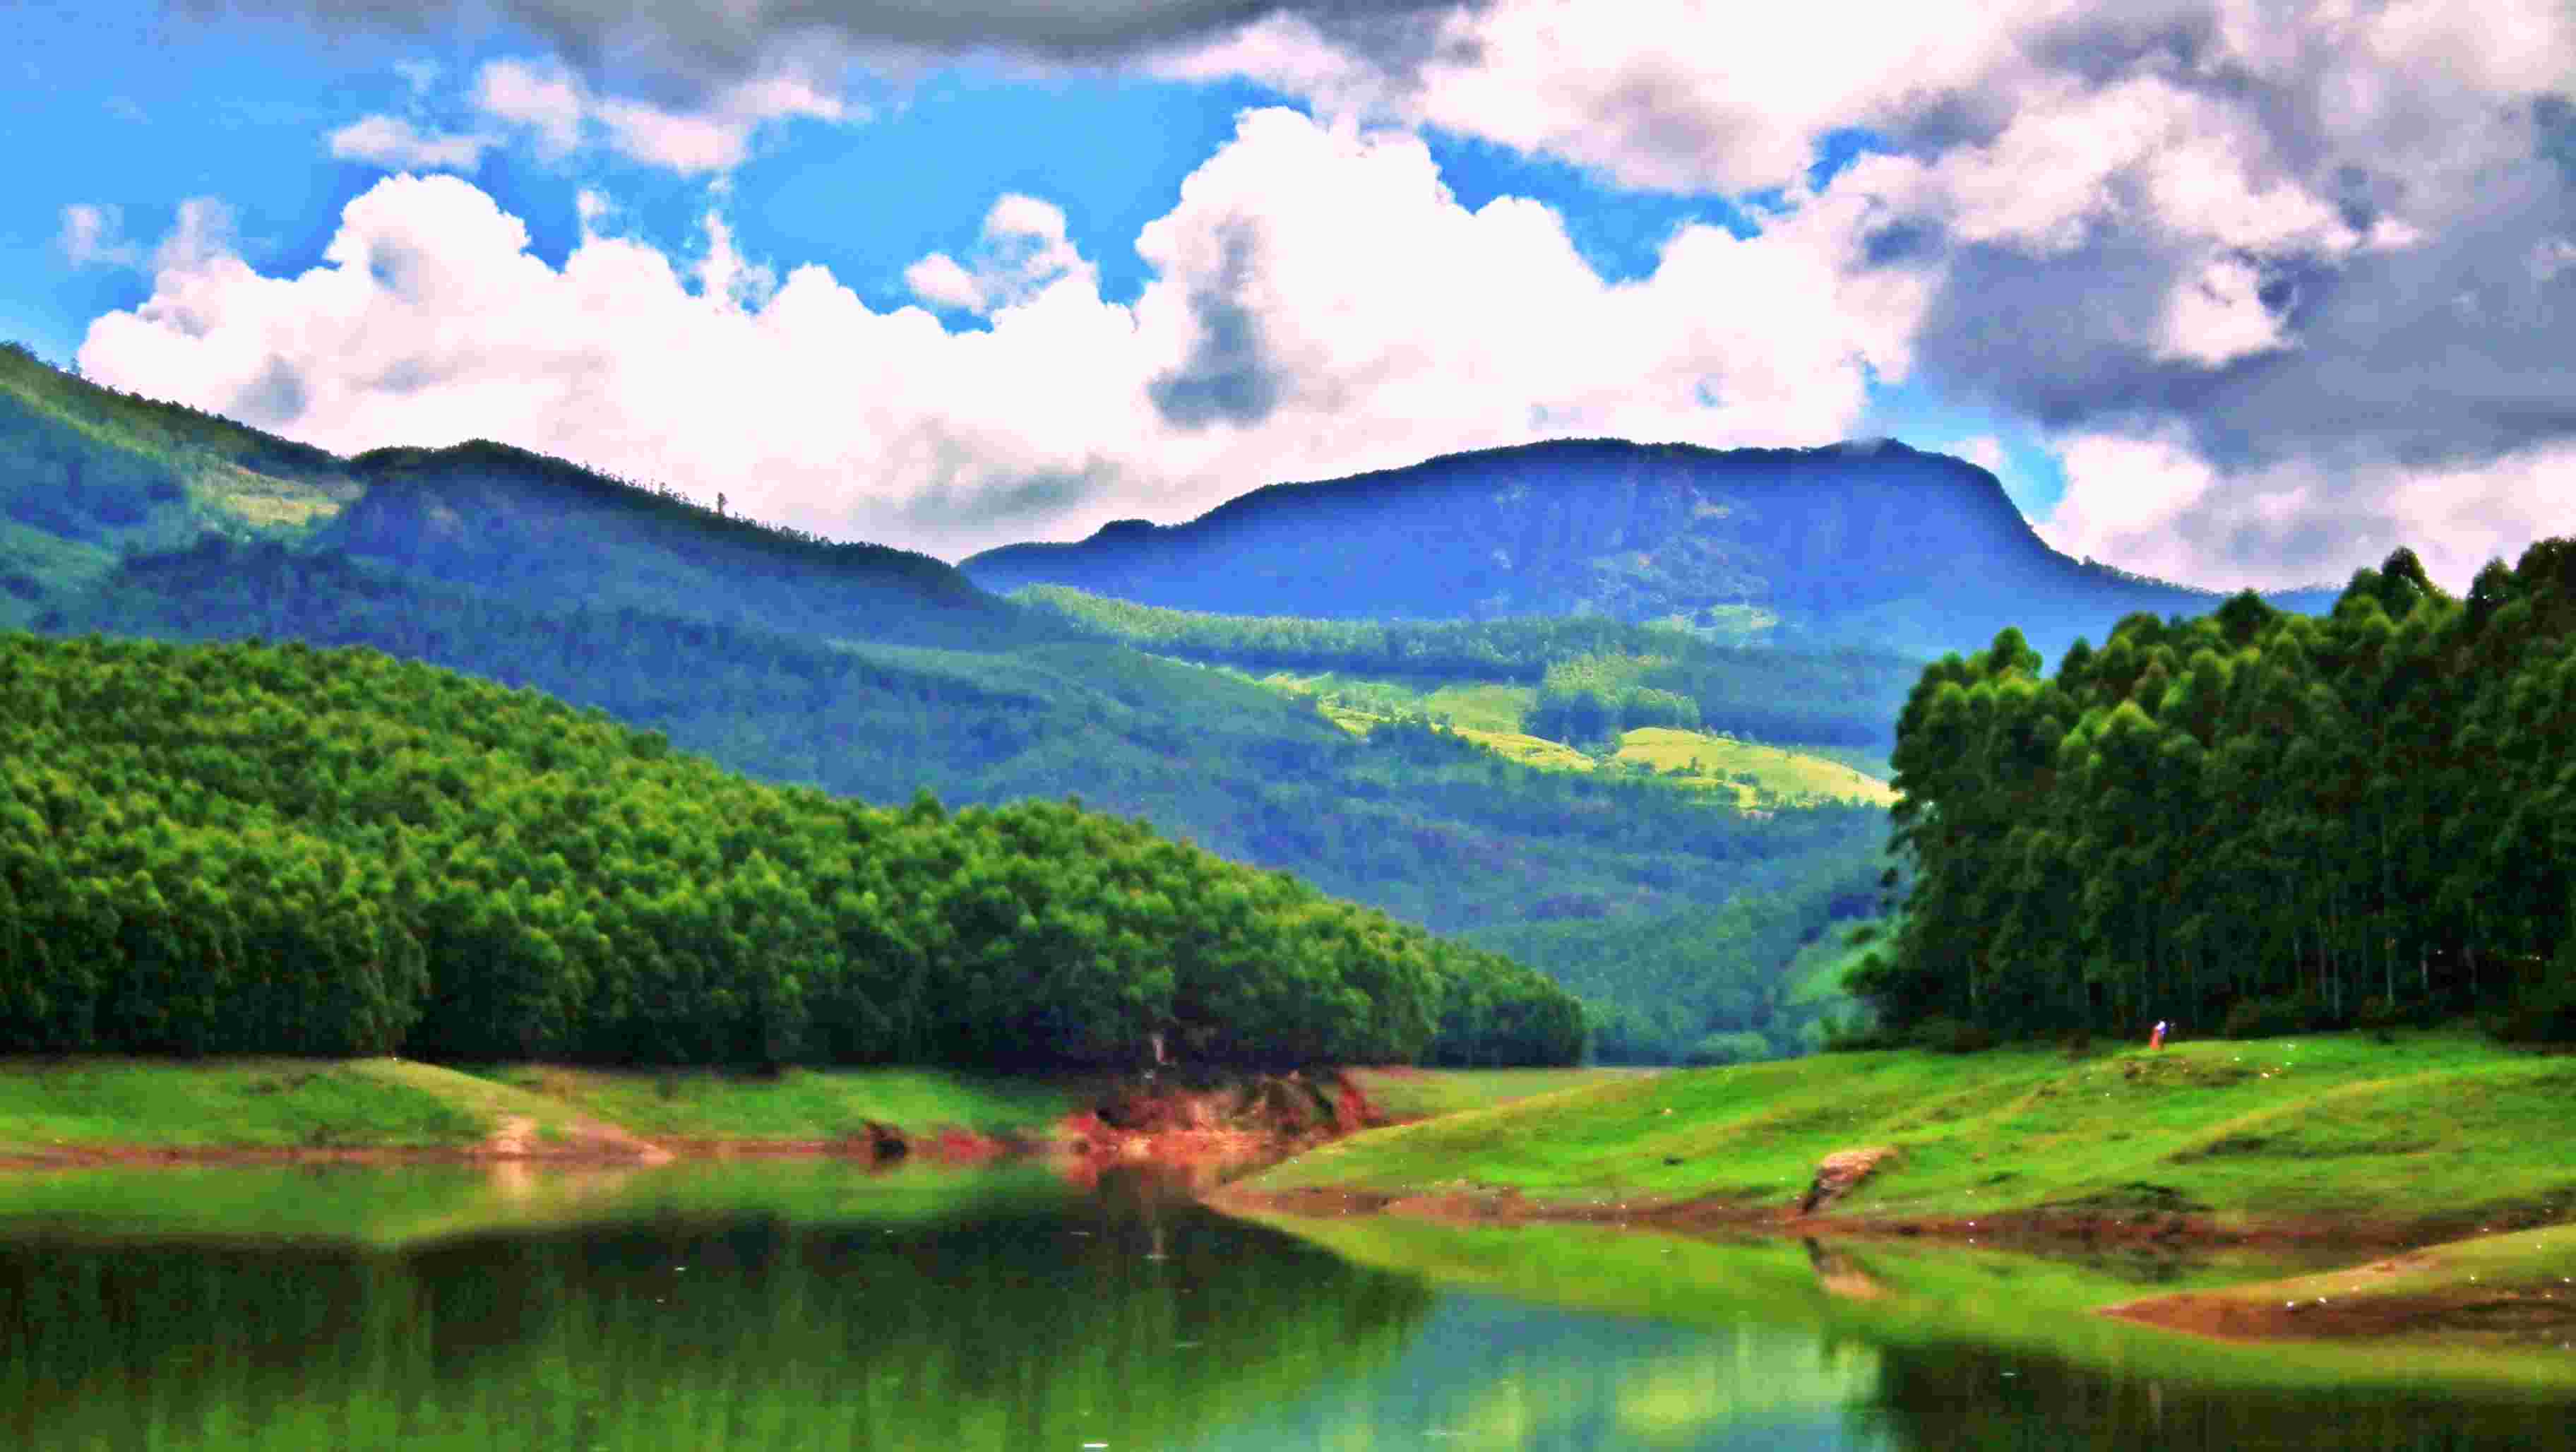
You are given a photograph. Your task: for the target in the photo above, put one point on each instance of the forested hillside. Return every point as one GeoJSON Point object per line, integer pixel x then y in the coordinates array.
{"type": "Point", "coordinates": [1870, 543]}
{"type": "Point", "coordinates": [253, 848]}
{"type": "Point", "coordinates": [2251, 820]}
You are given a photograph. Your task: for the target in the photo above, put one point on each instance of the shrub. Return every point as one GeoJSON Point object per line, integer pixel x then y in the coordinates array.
{"type": "Point", "coordinates": [2545, 1016]}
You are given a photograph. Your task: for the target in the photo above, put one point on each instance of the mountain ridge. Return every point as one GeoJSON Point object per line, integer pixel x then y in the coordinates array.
{"type": "Point", "coordinates": [1835, 543]}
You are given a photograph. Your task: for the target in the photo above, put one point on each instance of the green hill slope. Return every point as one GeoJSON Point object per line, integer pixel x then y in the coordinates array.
{"type": "Point", "coordinates": [2431, 1134]}
{"type": "Point", "coordinates": [261, 849]}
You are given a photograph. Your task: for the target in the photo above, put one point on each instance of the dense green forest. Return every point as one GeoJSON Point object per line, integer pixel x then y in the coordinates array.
{"type": "Point", "coordinates": [1663, 675]}
{"type": "Point", "coordinates": [256, 848]}
{"type": "Point", "coordinates": [1414, 821]}
{"type": "Point", "coordinates": [2251, 821]}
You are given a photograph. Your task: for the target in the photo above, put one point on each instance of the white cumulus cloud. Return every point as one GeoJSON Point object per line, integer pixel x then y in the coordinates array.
{"type": "Point", "coordinates": [395, 144]}
{"type": "Point", "coordinates": [1320, 304]}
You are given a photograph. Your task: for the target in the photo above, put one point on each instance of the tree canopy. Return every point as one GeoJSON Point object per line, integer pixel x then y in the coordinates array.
{"type": "Point", "coordinates": [2270, 818]}
{"type": "Point", "coordinates": [272, 848]}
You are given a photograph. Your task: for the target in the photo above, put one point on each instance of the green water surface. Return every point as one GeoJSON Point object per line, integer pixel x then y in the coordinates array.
{"type": "Point", "coordinates": [825, 1305]}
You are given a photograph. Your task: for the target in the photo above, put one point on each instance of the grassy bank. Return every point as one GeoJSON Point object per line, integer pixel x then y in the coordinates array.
{"type": "Point", "coordinates": [93, 1107]}
{"type": "Point", "coordinates": [2427, 1134]}
{"type": "Point", "coordinates": [89, 1106]}
{"type": "Point", "coordinates": [799, 1104]}
{"type": "Point", "coordinates": [244, 1104]}
{"type": "Point", "coordinates": [1405, 1095]}
{"type": "Point", "coordinates": [2347, 1145]}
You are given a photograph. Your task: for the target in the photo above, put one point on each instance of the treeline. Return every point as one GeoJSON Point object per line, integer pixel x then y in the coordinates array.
{"type": "Point", "coordinates": [1634, 675]}
{"type": "Point", "coordinates": [254, 848]}
{"type": "Point", "coordinates": [2251, 821]}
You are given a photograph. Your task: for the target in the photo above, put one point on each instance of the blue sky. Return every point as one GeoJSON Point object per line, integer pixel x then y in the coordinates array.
{"type": "Point", "coordinates": [950, 282]}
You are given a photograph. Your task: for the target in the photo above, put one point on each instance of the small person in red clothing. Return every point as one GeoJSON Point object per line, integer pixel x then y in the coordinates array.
{"type": "Point", "coordinates": [2156, 1040]}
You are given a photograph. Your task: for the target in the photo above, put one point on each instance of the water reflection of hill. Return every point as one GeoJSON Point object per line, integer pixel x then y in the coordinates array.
{"type": "Point", "coordinates": [1133, 1324]}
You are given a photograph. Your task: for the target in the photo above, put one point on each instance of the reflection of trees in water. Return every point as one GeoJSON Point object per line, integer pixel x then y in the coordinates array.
{"type": "Point", "coordinates": [1971, 1396]}
{"type": "Point", "coordinates": [1496, 1373]}
{"type": "Point", "coordinates": [1037, 1330]}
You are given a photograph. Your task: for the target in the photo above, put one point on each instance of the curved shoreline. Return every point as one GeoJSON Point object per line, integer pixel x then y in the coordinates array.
{"type": "Point", "coordinates": [2011, 1229]}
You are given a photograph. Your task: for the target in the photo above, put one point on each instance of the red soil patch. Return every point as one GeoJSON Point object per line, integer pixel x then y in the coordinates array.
{"type": "Point", "coordinates": [2491, 1314]}
{"type": "Point", "coordinates": [1264, 1118]}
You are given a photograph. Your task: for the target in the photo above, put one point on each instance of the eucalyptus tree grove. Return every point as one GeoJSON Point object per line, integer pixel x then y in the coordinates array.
{"type": "Point", "coordinates": [2288, 820]}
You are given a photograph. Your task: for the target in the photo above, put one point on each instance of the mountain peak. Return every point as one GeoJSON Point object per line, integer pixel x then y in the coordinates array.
{"type": "Point", "coordinates": [1864, 540]}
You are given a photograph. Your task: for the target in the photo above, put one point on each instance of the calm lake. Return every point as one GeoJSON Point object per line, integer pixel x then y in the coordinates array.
{"type": "Point", "coordinates": [824, 1305]}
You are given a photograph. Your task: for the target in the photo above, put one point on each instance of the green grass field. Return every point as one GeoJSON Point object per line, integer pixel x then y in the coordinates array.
{"type": "Point", "coordinates": [1754, 775]}
{"type": "Point", "coordinates": [1780, 773]}
{"type": "Point", "coordinates": [1410, 1094]}
{"type": "Point", "coordinates": [2432, 1130]}
{"type": "Point", "coordinates": [797, 1104]}
{"type": "Point", "coordinates": [240, 1103]}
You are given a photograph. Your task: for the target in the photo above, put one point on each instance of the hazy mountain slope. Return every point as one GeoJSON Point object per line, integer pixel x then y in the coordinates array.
{"type": "Point", "coordinates": [1875, 543]}
{"type": "Point", "coordinates": [545, 531]}
{"type": "Point", "coordinates": [88, 475]}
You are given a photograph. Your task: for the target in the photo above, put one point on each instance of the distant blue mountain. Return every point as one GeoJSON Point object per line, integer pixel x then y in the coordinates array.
{"type": "Point", "coordinates": [1869, 543]}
